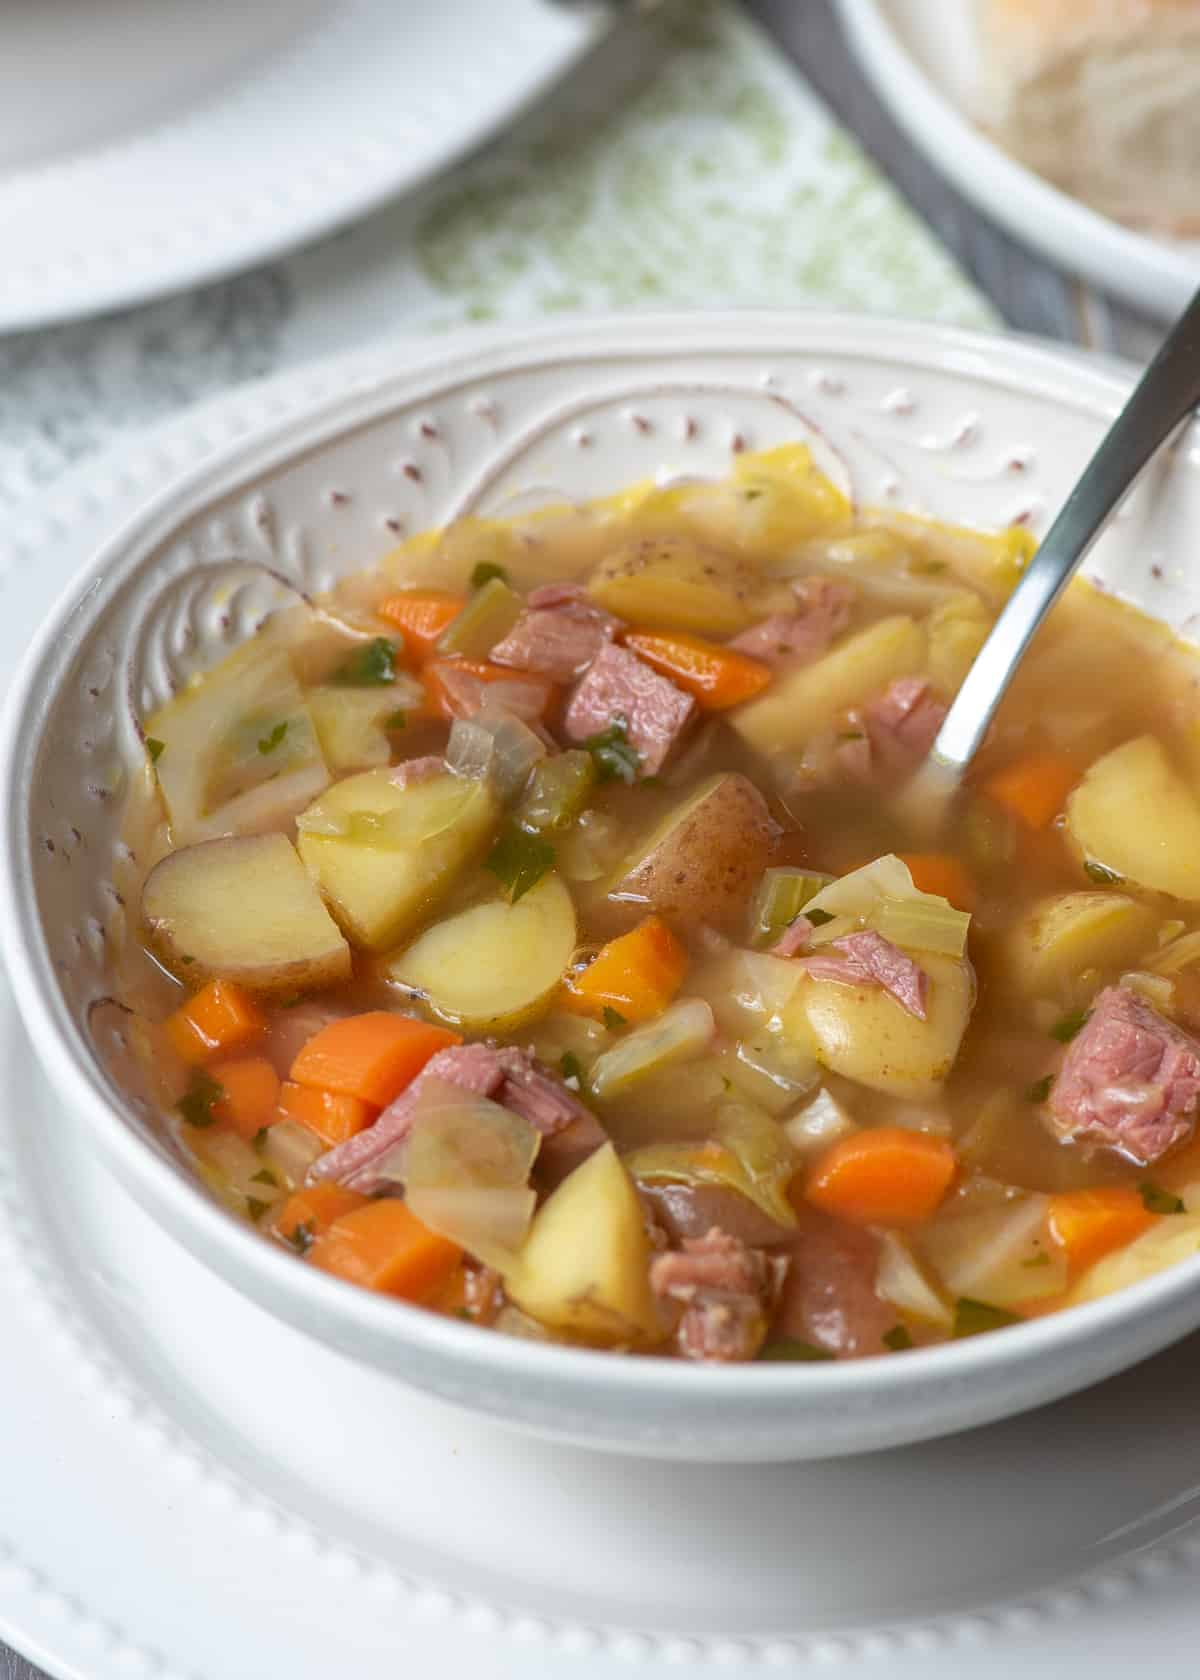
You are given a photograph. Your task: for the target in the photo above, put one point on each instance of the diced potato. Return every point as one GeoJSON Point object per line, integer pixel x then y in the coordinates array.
{"type": "Point", "coordinates": [1169, 1240]}
{"type": "Point", "coordinates": [1134, 814]}
{"type": "Point", "coordinates": [672, 583]}
{"type": "Point", "coordinates": [1060, 937]}
{"type": "Point", "coordinates": [351, 722]}
{"type": "Point", "coordinates": [702, 863]}
{"type": "Point", "coordinates": [383, 856]}
{"type": "Point", "coordinates": [495, 966]}
{"type": "Point", "coordinates": [799, 706]}
{"type": "Point", "coordinates": [957, 630]}
{"type": "Point", "coordinates": [585, 1264]}
{"type": "Point", "coordinates": [244, 909]}
{"type": "Point", "coordinates": [864, 1034]}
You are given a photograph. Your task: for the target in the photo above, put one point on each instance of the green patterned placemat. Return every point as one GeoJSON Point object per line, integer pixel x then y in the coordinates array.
{"type": "Point", "coordinates": [685, 163]}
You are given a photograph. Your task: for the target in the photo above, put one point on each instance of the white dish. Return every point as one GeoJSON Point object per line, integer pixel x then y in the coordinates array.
{"type": "Point", "coordinates": [974, 428]}
{"type": "Point", "coordinates": [920, 55]}
{"type": "Point", "coordinates": [187, 152]}
{"type": "Point", "coordinates": [201, 1444]}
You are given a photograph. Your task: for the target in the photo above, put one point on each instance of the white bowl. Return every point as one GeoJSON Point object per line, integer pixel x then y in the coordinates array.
{"type": "Point", "coordinates": [970, 428]}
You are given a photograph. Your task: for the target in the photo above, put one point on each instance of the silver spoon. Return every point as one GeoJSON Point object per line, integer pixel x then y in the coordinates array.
{"type": "Point", "coordinates": [1166, 394]}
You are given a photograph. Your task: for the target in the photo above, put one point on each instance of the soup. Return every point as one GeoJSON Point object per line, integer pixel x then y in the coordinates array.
{"type": "Point", "coordinates": [540, 929]}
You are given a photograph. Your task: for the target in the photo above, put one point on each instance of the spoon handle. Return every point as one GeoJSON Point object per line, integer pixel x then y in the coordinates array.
{"type": "Point", "coordinates": [1166, 394]}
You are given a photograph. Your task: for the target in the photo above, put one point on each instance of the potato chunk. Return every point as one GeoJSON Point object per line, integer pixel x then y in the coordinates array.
{"type": "Point", "coordinates": [672, 583]}
{"type": "Point", "coordinates": [245, 909]}
{"type": "Point", "coordinates": [384, 855]}
{"type": "Point", "coordinates": [585, 1265]}
{"type": "Point", "coordinates": [1134, 814]}
{"type": "Point", "coordinates": [705, 858]}
{"type": "Point", "coordinates": [799, 706]}
{"type": "Point", "coordinates": [495, 966]}
{"type": "Point", "coordinates": [1060, 937]}
{"type": "Point", "coordinates": [862, 1033]}
{"type": "Point", "coordinates": [352, 723]}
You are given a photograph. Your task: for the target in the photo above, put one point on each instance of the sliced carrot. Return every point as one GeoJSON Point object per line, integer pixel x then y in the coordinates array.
{"type": "Point", "coordinates": [1089, 1224]}
{"type": "Point", "coordinates": [249, 1092]}
{"type": "Point", "coordinates": [1035, 788]}
{"type": "Point", "coordinates": [383, 1246]}
{"type": "Point", "coordinates": [372, 1056]}
{"type": "Point", "coordinates": [441, 702]}
{"type": "Point", "coordinates": [221, 1016]}
{"type": "Point", "coordinates": [718, 676]}
{"type": "Point", "coordinates": [422, 615]}
{"type": "Point", "coordinates": [885, 1176]}
{"type": "Point", "coordinates": [944, 875]}
{"type": "Point", "coordinates": [315, 1207]}
{"type": "Point", "coordinates": [333, 1117]}
{"type": "Point", "coordinates": [635, 976]}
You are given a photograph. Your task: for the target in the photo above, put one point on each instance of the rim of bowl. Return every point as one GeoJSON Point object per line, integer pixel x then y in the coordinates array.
{"type": "Point", "coordinates": [179, 1202]}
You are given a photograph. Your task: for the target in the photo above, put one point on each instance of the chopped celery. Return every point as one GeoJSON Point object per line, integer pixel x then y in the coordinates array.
{"type": "Point", "coordinates": [558, 791]}
{"type": "Point", "coordinates": [485, 620]}
{"type": "Point", "coordinates": [781, 896]}
{"type": "Point", "coordinates": [923, 924]}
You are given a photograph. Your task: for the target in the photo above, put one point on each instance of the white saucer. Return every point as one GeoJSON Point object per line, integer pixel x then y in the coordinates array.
{"type": "Point", "coordinates": [192, 1491]}
{"type": "Point", "coordinates": [920, 57]}
{"type": "Point", "coordinates": [142, 150]}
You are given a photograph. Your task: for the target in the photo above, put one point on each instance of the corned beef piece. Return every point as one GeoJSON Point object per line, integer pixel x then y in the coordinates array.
{"type": "Point", "coordinates": [868, 959]}
{"type": "Point", "coordinates": [619, 687]}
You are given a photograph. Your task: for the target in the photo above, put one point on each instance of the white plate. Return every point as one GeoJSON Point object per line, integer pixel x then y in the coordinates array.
{"type": "Point", "coordinates": [193, 1491]}
{"type": "Point", "coordinates": [187, 151]}
{"type": "Point", "coordinates": [920, 57]}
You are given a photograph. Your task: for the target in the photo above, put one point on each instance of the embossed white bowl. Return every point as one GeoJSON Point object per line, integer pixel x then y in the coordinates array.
{"type": "Point", "coordinates": [971, 428]}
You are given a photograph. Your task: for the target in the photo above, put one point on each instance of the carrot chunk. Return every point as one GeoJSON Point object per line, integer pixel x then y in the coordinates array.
{"type": "Point", "coordinates": [885, 1176]}
{"type": "Point", "coordinates": [1088, 1224]}
{"type": "Point", "coordinates": [315, 1208]}
{"type": "Point", "coordinates": [421, 615]}
{"type": "Point", "coordinates": [717, 676]}
{"type": "Point", "coordinates": [441, 702]}
{"type": "Point", "coordinates": [634, 977]}
{"type": "Point", "coordinates": [944, 875]}
{"type": "Point", "coordinates": [221, 1016]}
{"type": "Point", "coordinates": [249, 1092]}
{"type": "Point", "coordinates": [371, 1057]}
{"type": "Point", "coordinates": [383, 1246]}
{"type": "Point", "coordinates": [333, 1117]}
{"type": "Point", "coordinates": [1034, 789]}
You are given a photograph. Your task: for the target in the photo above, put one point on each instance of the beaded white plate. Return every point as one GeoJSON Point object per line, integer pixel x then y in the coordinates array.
{"type": "Point", "coordinates": [186, 151]}
{"type": "Point", "coordinates": [194, 1491]}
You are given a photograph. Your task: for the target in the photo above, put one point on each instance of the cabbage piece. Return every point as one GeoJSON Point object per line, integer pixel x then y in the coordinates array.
{"type": "Point", "coordinates": [864, 890]}
{"type": "Point", "coordinates": [901, 1281]}
{"type": "Point", "coordinates": [747, 1152]}
{"type": "Point", "coordinates": [680, 1033]}
{"type": "Point", "coordinates": [818, 1124]}
{"type": "Point", "coordinates": [1002, 1256]}
{"type": "Point", "coordinates": [289, 1149]}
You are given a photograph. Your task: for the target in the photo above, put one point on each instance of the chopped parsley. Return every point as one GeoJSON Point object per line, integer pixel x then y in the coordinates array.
{"type": "Point", "coordinates": [518, 860]}
{"type": "Point", "coordinates": [302, 1236]}
{"type": "Point", "coordinates": [154, 748]}
{"type": "Point", "coordinates": [266, 1176]}
{"type": "Point", "coordinates": [852, 735]}
{"type": "Point", "coordinates": [291, 1000]}
{"type": "Point", "coordinates": [972, 1318]}
{"type": "Point", "coordinates": [1070, 1025]}
{"type": "Point", "coordinates": [613, 1018]}
{"type": "Point", "coordinates": [396, 720]}
{"type": "Point", "coordinates": [1042, 1259]}
{"type": "Point", "coordinates": [485, 572]}
{"type": "Point", "coordinates": [897, 1338]}
{"type": "Point", "coordinates": [793, 1349]}
{"type": "Point", "coordinates": [1157, 1200]}
{"type": "Point", "coordinates": [255, 1208]}
{"type": "Point", "coordinates": [572, 1067]}
{"type": "Point", "coordinates": [614, 758]}
{"type": "Point", "coordinates": [1101, 874]}
{"type": "Point", "coordinates": [196, 1105]}
{"type": "Point", "coordinates": [373, 665]}
{"type": "Point", "coordinates": [818, 918]}
{"type": "Point", "coordinates": [271, 741]}
{"type": "Point", "coordinates": [260, 1137]}
{"type": "Point", "coordinates": [1039, 1090]}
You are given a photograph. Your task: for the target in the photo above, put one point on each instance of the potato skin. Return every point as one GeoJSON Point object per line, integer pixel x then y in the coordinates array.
{"type": "Point", "coordinates": [704, 861]}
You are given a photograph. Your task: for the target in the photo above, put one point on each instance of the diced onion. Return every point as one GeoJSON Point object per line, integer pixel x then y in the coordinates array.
{"type": "Point", "coordinates": [683, 1031]}
{"type": "Point", "coordinates": [496, 745]}
{"type": "Point", "coordinates": [1178, 955]}
{"type": "Point", "coordinates": [289, 1149]}
{"type": "Point", "coordinates": [901, 1281]}
{"type": "Point", "coordinates": [591, 847]}
{"type": "Point", "coordinates": [818, 1124]}
{"type": "Point", "coordinates": [1157, 989]}
{"type": "Point", "coordinates": [470, 749]}
{"type": "Point", "coordinates": [774, 1071]}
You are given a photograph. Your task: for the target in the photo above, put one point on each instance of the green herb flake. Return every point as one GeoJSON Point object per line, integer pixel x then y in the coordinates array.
{"type": "Point", "coordinates": [196, 1105]}
{"type": "Point", "coordinates": [291, 1000]}
{"type": "Point", "coordinates": [972, 1318]}
{"type": "Point", "coordinates": [572, 1067]}
{"type": "Point", "coordinates": [259, 1138]}
{"type": "Point", "coordinates": [791, 1348]}
{"type": "Point", "coordinates": [155, 748]}
{"type": "Point", "coordinates": [271, 741]}
{"type": "Point", "coordinates": [255, 1208]}
{"type": "Point", "coordinates": [615, 759]}
{"type": "Point", "coordinates": [518, 860]}
{"type": "Point", "coordinates": [897, 1338]}
{"type": "Point", "coordinates": [1102, 875]}
{"type": "Point", "coordinates": [1157, 1200]}
{"type": "Point", "coordinates": [1042, 1259]}
{"type": "Point", "coordinates": [184, 961]}
{"type": "Point", "coordinates": [613, 1019]}
{"type": "Point", "coordinates": [485, 572]}
{"type": "Point", "coordinates": [1070, 1025]}
{"type": "Point", "coordinates": [818, 918]}
{"type": "Point", "coordinates": [852, 735]}
{"type": "Point", "coordinates": [1039, 1090]}
{"type": "Point", "coordinates": [464, 1314]}
{"type": "Point", "coordinates": [302, 1237]}
{"type": "Point", "coordinates": [373, 665]}
{"type": "Point", "coordinates": [927, 568]}
{"type": "Point", "coordinates": [395, 721]}
{"type": "Point", "coordinates": [266, 1176]}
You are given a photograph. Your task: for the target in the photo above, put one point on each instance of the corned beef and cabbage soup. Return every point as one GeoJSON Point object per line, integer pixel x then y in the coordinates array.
{"type": "Point", "coordinates": [539, 931]}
